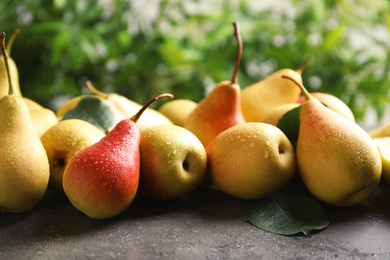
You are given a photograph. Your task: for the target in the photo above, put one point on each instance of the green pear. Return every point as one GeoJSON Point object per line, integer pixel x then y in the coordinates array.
{"type": "Point", "coordinates": [258, 98]}
{"type": "Point", "coordinates": [383, 144]}
{"type": "Point", "coordinates": [173, 162]}
{"type": "Point", "coordinates": [251, 160]}
{"type": "Point", "coordinates": [62, 141]}
{"type": "Point", "coordinates": [13, 70]}
{"type": "Point", "coordinates": [24, 166]}
{"type": "Point", "coordinates": [221, 108]}
{"type": "Point", "coordinates": [102, 179]}
{"type": "Point", "coordinates": [337, 160]}
{"type": "Point", "coordinates": [177, 110]}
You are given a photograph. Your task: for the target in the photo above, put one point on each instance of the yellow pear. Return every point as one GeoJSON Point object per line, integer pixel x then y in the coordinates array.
{"type": "Point", "coordinates": [177, 110]}
{"type": "Point", "coordinates": [251, 160]}
{"type": "Point", "coordinates": [275, 114]}
{"type": "Point", "coordinates": [337, 160]}
{"type": "Point", "coordinates": [122, 107]}
{"type": "Point", "coordinates": [332, 102]}
{"type": "Point", "coordinates": [258, 98]}
{"type": "Point", "coordinates": [24, 166]}
{"type": "Point", "coordinates": [13, 70]}
{"type": "Point", "coordinates": [43, 119]}
{"type": "Point", "coordinates": [383, 144]}
{"type": "Point", "coordinates": [62, 141]}
{"type": "Point", "coordinates": [31, 104]}
{"type": "Point", "coordinates": [381, 131]}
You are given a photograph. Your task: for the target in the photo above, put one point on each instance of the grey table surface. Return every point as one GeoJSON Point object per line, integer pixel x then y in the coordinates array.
{"type": "Point", "coordinates": [205, 225]}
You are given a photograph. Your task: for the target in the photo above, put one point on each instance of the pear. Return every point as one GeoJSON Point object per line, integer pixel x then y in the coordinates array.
{"type": "Point", "coordinates": [24, 166]}
{"type": "Point", "coordinates": [258, 98]}
{"type": "Point", "coordinates": [173, 162]}
{"type": "Point", "coordinates": [13, 70]}
{"type": "Point", "coordinates": [332, 102]}
{"type": "Point", "coordinates": [102, 180]}
{"type": "Point", "coordinates": [177, 110]}
{"type": "Point", "coordinates": [122, 107]}
{"type": "Point", "coordinates": [276, 113]}
{"type": "Point", "coordinates": [43, 119]}
{"type": "Point", "coordinates": [381, 131]}
{"type": "Point", "coordinates": [62, 141]}
{"type": "Point", "coordinates": [337, 160]}
{"type": "Point", "coordinates": [383, 144]}
{"type": "Point", "coordinates": [251, 160]}
{"type": "Point", "coordinates": [221, 108]}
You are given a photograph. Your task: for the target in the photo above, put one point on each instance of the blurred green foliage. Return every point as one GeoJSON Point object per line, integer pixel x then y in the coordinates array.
{"type": "Point", "coordinates": [143, 48]}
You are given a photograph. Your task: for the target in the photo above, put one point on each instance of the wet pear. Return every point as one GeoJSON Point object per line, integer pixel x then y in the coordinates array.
{"type": "Point", "coordinates": [24, 166]}
{"type": "Point", "coordinates": [337, 160]}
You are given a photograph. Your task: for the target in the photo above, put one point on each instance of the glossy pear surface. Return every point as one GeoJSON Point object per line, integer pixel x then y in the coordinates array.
{"type": "Point", "coordinates": [250, 161]}
{"type": "Point", "coordinates": [173, 162]}
{"type": "Point", "coordinates": [258, 98]}
{"type": "Point", "coordinates": [4, 79]}
{"type": "Point", "coordinates": [337, 160]}
{"type": "Point", "coordinates": [383, 144]}
{"type": "Point", "coordinates": [24, 166]}
{"type": "Point", "coordinates": [218, 111]}
{"type": "Point", "coordinates": [62, 141]}
{"type": "Point", "coordinates": [43, 119]}
{"type": "Point", "coordinates": [332, 102]}
{"type": "Point", "coordinates": [177, 110]}
{"type": "Point", "coordinates": [102, 179]}
{"type": "Point", "coordinates": [275, 114]}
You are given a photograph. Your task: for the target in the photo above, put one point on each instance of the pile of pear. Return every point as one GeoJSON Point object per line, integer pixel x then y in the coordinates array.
{"type": "Point", "coordinates": [227, 141]}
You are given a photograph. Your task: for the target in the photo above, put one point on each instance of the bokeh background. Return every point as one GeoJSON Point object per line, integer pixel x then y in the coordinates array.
{"type": "Point", "coordinates": [142, 48]}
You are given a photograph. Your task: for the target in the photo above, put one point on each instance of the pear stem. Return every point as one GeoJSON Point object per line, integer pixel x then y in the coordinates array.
{"type": "Point", "coordinates": [11, 40]}
{"type": "Point", "coordinates": [306, 94]}
{"type": "Point", "coordinates": [303, 66]}
{"type": "Point", "coordinates": [237, 34]}
{"type": "Point", "coordinates": [139, 113]}
{"type": "Point", "coordinates": [88, 85]}
{"type": "Point", "coordinates": [5, 56]}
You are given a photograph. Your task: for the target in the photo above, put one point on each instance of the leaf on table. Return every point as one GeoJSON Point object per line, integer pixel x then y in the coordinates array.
{"type": "Point", "coordinates": [289, 214]}
{"type": "Point", "coordinates": [289, 124]}
{"type": "Point", "coordinates": [94, 111]}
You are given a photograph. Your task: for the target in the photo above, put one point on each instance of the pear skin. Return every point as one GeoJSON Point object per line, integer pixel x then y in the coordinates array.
{"type": "Point", "coordinates": [381, 131]}
{"type": "Point", "coordinates": [337, 160]}
{"type": "Point", "coordinates": [13, 70]}
{"type": "Point", "coordinates": [173, 162]}
{"type": "Point", "coordinates": [43, 119]}
{"type": "Point", "coordinates": [62, 141]}
{"type": "Point", "coordinates": [178, 110]}
{"type": "Point", "coordinates": [250, 161]}
{"type": "Point", "coordinates": [258, 98]}
{"type": "Point", "coordinates": [24, 166]}
{"type": "Point", "coordinates": [332, 102]}
{"type": "Point", "coordinates": [102, 180]}
{"type": "Point", "coordinates": [220, 109]}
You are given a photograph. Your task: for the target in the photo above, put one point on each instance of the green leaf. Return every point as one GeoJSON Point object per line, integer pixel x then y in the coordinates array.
{"type": "Point", "coordinates": [289, 214]}
{"type": "Point", "coordinates": [94, 111]}
{"type": "Point", "coordinates": [289, 124]}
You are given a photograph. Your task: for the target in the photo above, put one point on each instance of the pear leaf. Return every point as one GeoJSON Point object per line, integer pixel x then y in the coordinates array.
{"type": "Point", "coordinates": [94, 111]}
{"type": "Point", "coordinates": [289, 124]}
{"type": "Point", "coordinates": [289, 214]}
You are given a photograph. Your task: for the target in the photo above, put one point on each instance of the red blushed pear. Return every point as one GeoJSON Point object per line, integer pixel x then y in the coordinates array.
{"type": "Point", "coordinates": [337, 160]}
{"type": "Point", "coordinates": [102, 179]}
{"type": "Point", "coordinates": [221, 108]}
